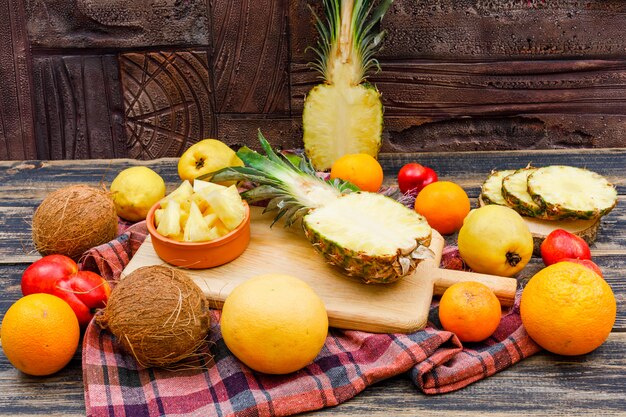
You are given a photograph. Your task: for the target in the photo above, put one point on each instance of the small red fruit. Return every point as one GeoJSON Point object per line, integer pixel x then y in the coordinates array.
{"type": "Point", "coordinates": [585, 262]}
{"type": "Point", "coordinates": [413, 177]}
{"type": "Point", "coordinates": [561, 244]}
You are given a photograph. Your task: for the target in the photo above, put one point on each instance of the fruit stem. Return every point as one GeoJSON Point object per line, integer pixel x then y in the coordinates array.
{"type": "Point", "coordinates": [513, 258]}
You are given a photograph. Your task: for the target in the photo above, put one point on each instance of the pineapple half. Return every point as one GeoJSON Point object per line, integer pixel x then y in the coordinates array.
{"type": "Point", "coordinates": [568, 192]}
{"type": "Point", "coordinates": [344, 115]}
{"type": "Point", "coordinates": [368, 235]}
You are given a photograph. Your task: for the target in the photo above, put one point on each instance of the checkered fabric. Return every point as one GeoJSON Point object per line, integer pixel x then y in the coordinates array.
{"type": "Point", "coordinates": [434, 359]}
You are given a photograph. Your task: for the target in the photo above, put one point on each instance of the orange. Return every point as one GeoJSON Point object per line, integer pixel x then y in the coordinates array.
{"type": "Point", "coordinates": [274, 323]}
{"type": "Point", "coordinates": [39, 334]}
{"type": "Point", "coordinates": [470, 310]}
{"type": "Point", "coordinates": [568, 309]}
{"type": "Point", "coordinates": [444, 204]}
{"type": "Point", "coordinates": [360, 169]}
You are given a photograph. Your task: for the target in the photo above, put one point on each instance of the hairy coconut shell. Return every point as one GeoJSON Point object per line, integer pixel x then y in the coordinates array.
{"type": "Point", "coordinates": [73, 219]}
{"type": "Point", "coordinates": [158, 315]}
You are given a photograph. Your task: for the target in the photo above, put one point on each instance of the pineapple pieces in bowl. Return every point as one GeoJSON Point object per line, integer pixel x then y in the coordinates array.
{"type": "Point", "coordinates": [200, 226]}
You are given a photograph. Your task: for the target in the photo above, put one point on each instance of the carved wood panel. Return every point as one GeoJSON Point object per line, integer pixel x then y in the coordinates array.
{"type": "Point", "coordinates": [168, 102]}
{"type": "Point", "coordinates": [17, 140]}
{"type": "Point", "coordinates": [78, 107]}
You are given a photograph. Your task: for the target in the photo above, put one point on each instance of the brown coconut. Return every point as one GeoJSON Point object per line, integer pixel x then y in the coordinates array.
{"type": "Point", "coordinates": [158, 315]}
{"type": "Point", "coordinates": [73, 219]}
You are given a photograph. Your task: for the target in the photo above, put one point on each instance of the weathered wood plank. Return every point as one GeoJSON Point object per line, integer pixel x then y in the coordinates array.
{"type": "Point", "coordinates": [116, 24]}
{"type": "Point", "coordinates": [238, 130]}
{"type": "Point", "coordinates": [471, 30]}
{"type": "Point", "coordinates": [17, 137]}
{"type": "Point", "coordinates": [78, 107]}
{"type": "Point", "coordinates": [168, 101]}
{"type": "Point", "coordinates": [250, 56]}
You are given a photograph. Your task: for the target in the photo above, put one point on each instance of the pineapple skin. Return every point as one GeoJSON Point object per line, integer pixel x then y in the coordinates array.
{"type": "Point", "coordinates": [522, 207]}
{"type": "Point", "coordinates": [360, 131]}
{"type": "Point", "coordinates": [369, 269]}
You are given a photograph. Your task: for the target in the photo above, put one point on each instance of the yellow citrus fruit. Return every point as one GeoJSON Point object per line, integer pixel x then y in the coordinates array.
{"type": "Point", "coordinates": [470, 310]}
{"type": "Point", "coordinates": [495, 240]}
{"type": "Point", "coordinates": [204, 157]}
{"type": "Point", "coordinates": [135, 190]}
{"type": "Point", "coordinates": [40, 334]}
{"type": "Point", "coordinates": [568, 309]}
{"type": "Point", "coordinates": [444, 204]}
{"type": "Point", "coordinates": [274, 323]}
{"type": "Point", "coordinates": [360, 169]}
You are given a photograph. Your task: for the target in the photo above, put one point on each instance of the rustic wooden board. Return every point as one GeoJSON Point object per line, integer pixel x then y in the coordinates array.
{"type": "Point", "coordinates": [402, 306]}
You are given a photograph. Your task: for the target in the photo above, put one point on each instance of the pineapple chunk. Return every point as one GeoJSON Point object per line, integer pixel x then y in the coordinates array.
{"type": "Point", "coordinates": [205, 185]}
{"type": "Point", "coordinates": [211, 219]}
{"type": "Point", "coordinates": [228, 206]}
{"type": "Point", "coordinates": [196, 229]}
{"type": "Point", "coordinates": [182, 193]}
{"type": "Point", "coordinates": [170, 220]}
{"type": "Point", "coordinates": [200, 201]}
{"type": "Point", "coordinates": [222, 230]}
{"type": "Point", "coordinates": [158, 213]}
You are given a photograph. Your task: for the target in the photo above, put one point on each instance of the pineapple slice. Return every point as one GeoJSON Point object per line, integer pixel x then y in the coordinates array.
{"type": "Point", "coordinates": [169, 225]}
{"type": "Point", "coordinates": [196, 229]}
{"type": "Point", "coordinates": [210, 219]}
{"type": "Point", "coordinates": [182, 193]}
{"type": "Point", "coordinates": [158, 214]}
{"type": "Point", "coordinates": [221, 229]}
{"type": "Point", "coordinates": [491, 190]}
{"type": "Point", "coordinates": [572, 193]}
{"type": "Point", "coordinates": [228, 206]}
{"type": "Point", "coordinates": [344, 115]}
{"type": "Point", "coordinates": [515, 192]}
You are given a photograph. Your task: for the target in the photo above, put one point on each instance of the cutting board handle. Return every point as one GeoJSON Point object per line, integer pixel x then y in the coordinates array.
{"type": "Point", "coordinates": [503, 288]}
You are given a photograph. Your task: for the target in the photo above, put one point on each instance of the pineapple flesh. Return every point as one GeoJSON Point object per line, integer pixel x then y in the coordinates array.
{"type": "Point", "coordinates": [368, 235]}
{"type": "Point", "coordinates": [344, 115]}
{"type": "Point", "coordinates": [491, 190]}
{"type": "Point", "coordinates": [515, 192]}
{"type": "Point", "coordinates": [572, 193]}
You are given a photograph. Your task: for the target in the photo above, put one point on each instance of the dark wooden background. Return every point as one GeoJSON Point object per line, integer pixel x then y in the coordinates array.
{"type": "Point", "coordinates": [147, 78]}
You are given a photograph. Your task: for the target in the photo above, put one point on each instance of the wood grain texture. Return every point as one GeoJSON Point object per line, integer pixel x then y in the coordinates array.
{"type": "Point", "coordinates": [116, 24]}
{"type": "Point", "coordinates": [78, 107]}
{"type": "Point", "coordinates": [17, 138]}
{"type": "Point", "coordinates": [168, 101]}
{"type": "Point", "coordinates": [544, 384]}
{"type": "Point", "coordinates": [237, 130]}
{"type": "Point", "coordinates": [250, 56]}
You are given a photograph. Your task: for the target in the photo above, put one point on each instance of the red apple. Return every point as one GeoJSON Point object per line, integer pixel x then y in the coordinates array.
{"type": "Point", "coordinates": [585, 262]}
{"type": "Point", "coordinates": [413, 177]}
{"type": "Point", "coordinates": [561, 244]}
{"type": "Point", "coordinates": [58, 275]}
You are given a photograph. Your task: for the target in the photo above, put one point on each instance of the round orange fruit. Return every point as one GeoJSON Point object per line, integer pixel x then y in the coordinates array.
{"type": "Point", "coordinates": [274, 323]}
{"type": "Point", "coordinates": [470, 310]}
{"type": "Point", "coordinates": [568, 309]}
{"type": "Point", "coordinates": [40, 334]}
{"type": "Point", "coordinates": [360, 169]}
{"type": "Point", "coordinates": [444, 204]}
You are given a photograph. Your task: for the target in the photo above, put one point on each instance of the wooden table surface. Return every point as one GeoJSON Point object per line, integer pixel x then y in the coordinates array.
{"type": "Point", "coordinates": [593, 384]}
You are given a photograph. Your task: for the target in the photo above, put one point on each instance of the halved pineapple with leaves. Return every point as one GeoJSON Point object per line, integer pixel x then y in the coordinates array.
{"type": "Point", "coordinates": [570, 192]}
{"type": "Point", "coordinates": [491, 190]}
{"type": "Point", "coordinates": [345, 115]}
{"type": "Point", "coordinates": [515, 192]}
{"type": "Point", "coordinates": [368, 235]}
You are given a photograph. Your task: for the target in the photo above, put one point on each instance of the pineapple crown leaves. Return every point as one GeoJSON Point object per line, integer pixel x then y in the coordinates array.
{"type": "Point", "coordinates": [348, 37]}
{"type": "Point", "coordinates": [278, 179]}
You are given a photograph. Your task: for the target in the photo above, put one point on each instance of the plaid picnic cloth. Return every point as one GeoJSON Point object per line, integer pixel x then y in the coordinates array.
{"type": "Point", "coordinates": [434, 359]}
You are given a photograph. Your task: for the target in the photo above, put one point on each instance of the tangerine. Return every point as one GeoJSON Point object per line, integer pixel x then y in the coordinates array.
{"type": "Point", "coordinates": [360, 169]}
{"type": "Point", "coordinates": [274, 323]}
{"type": "Point", "coordinates": [568, 309]}
{"type": "Point", "coordinates": [470, 310]}
{"type": "Point", "coordinates": [444, 204]}
{"type": "Point", "coordinates": [40, 334]}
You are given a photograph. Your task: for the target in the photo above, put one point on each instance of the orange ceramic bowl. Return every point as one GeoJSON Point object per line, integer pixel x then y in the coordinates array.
{"type": "Point", "coordinates": [200, 255]}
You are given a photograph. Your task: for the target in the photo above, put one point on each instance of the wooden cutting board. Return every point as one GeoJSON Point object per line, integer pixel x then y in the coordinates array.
{"type": "Point", "coordinates": [399, 307]}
